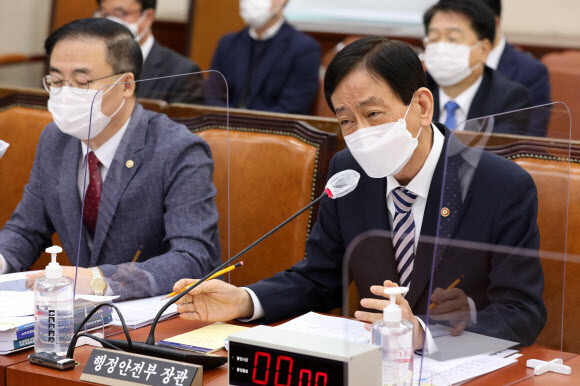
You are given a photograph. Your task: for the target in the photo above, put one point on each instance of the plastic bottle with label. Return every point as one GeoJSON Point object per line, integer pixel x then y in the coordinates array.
{"type": "Point", "coordinates": [53, 308]}
{"type": "Point", "coordinates": [395, 336]}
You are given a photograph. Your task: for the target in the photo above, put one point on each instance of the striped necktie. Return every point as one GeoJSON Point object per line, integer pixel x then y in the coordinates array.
{"type": "Point", "coordinates": [404, 234]}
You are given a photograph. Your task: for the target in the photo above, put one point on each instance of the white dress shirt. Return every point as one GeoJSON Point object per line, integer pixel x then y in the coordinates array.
{"type": "Point", "coordinates": [464, 101]}
{"type": "Point", "coordinates": [269, 33]}
{"type": "Point", "coordinates": [146, 47]}
{"type": "Point", "coordinates": [495, 54]}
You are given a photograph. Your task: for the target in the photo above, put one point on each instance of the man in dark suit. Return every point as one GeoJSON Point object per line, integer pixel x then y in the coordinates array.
{"type": "Point", "coordinates": [516, 65]}
{"type": "Point", "coordinates": [459, 36]}
{"type": "Point", "coordinates": [158, 61]}
{"type": "Point", "coordinates": [523, 68]}
{"type": "Point", "coordinates": [376, 87]}
{"type": "Point", "coordinates": [147, 185]}
{"type": "Point", "coordinates": [269, 65]}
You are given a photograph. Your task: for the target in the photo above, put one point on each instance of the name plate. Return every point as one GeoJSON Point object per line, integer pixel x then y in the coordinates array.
{"type": "Point", "coordinates": [112, 367]}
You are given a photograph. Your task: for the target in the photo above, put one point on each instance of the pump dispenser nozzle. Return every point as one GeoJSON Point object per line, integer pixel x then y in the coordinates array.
{"type": "Point", "coordinates": [392, 313]}
{"type": "Point", "coordinates": [53, 269]}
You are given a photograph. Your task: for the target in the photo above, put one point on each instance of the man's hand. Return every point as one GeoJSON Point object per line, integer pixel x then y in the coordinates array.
{"type": "Point", "coordinates": [83, 284]}
{"type": "Point", "coordinates": [379, 304]}
{"type": "Point", "coordinates": [451, 305]}
{"type": "Point", "coordinates": [213, 301]}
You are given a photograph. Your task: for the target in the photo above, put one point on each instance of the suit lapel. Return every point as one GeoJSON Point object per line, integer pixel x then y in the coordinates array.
{"type": "Point", "coordinates": [276, 51]}
{"type": "Point", "coordinates": [481, 98]}
{"type": "Point", "coordinates": [119, 176]}
{"type": "Point", "coordinates": [507, 62]}
{"type": "Point", "coordinates": [152, 63]}
{"type": "Point", "coordinates": [70, 202]}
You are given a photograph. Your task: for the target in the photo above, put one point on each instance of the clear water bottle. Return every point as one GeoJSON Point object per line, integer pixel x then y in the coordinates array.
{"type": "Point", "coordinates": [53, 308]}
{"type": "Point", "coordinates": [395, 336]}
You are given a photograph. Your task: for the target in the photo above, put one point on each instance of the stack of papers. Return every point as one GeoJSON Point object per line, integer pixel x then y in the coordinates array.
{"type": "Point", "coordinates": [141, 312]}
{"type": "Point", "coordinates": [206, 340]}
{"type": "Point", "coordinates": [492, 353]}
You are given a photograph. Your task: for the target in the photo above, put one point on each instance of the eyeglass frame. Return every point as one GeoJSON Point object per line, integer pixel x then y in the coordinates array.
{"type": "Point", "coordinates": [84, 90]}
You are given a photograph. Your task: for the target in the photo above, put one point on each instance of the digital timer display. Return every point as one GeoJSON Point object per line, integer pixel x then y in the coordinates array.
{"type": "Point", "coordinates": [251, 365]}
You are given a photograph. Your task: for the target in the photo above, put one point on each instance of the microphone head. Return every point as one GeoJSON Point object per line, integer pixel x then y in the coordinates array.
{"type": "Point", "coordinates": [342, 183]}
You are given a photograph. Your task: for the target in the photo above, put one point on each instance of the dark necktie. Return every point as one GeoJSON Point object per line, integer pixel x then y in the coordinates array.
{"type": "Point", "coordinates": [404, 234]}
{"type": "Point", "coordinates": [93, 194]}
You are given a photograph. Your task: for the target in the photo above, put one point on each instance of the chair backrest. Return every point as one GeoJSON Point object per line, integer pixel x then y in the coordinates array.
{"type": "Point", "coordinates": [22, 119]}
{"type": "Point", "coordinates": [276, 167]}
{"type": "Point", "coordinates": [564, 69]}
{"type": "Point", "coordinates": [555, 171]}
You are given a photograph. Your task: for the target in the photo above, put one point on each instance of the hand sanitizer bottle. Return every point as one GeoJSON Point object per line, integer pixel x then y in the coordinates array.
{"type": "Point", "coordinates": [395, 336]}
{"type": "Point", "coordinates": [53, 308]}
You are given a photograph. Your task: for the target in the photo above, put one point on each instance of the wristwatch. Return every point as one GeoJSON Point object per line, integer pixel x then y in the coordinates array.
{"type": "Point", "coordinates": [98, 284]}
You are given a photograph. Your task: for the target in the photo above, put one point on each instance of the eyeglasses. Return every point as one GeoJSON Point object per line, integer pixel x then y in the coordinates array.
{"type": "Point", "coordinates": [119, 14]}
{"type": "Point", "coordinates": [79, 84]}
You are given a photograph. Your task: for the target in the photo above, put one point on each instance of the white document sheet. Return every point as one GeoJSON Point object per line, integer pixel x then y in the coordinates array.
{"type": "Point", "coordinates": [323, 325]}
{"type": "Point", "coordinates": [141, 312]}
{"type": "Point", "coordinates": [434, 372]}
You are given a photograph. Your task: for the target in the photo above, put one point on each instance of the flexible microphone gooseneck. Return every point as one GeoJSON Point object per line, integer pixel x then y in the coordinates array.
{"type": "Point", "coordinates": [338, 185]}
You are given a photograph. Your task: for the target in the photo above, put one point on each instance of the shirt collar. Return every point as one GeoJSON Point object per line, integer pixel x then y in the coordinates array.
{"type": "Point", "coordinates": [495, 54]}
{"type": "Point", "coordinates": [146, 47]}
{"type": "Point", "coordinates": [106, 152]}
{"type": "Point", "coordinates": [421, 183]}
{"type": "Point", "coordinates": [269, 33]}
{"type": "Point", "coordinates": [463, 100]}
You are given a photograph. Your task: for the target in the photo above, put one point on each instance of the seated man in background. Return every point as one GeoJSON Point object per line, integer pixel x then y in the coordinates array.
{"type": "Point", "coordinates": [523, 68]}
{"type": "Point", "coordinates": [459, 37]}
{"type": "Point", "coordinates": [269, 65]}
{"type": "Point", "coordinates": [148, 186]}
{"type": "Point", "coordinates": [158, 61]}
{"type": "Point", "coordinates": [376, 87]}
{"type": "Point", "coordinates": [517, 65]}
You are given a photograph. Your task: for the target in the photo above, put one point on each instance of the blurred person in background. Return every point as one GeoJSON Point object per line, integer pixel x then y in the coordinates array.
{"type": "Point", "coordinates": [268, 65]}
{"type": "Point", "coordinates": [459, 38]}
{"type": "Point", "coordinates": [158, 61]}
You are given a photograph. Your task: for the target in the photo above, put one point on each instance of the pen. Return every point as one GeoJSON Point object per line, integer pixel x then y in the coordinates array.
{"type": "Point", "coordinates": [453, 285]}
{"type": "Point", "coordinates": [219, 273]}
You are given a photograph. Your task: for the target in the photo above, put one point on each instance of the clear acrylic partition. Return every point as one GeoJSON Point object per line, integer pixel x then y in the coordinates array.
{"type": "Point", "coordinates": [488, 276]}
{"type": "Point", "coordinates": [163, 199]}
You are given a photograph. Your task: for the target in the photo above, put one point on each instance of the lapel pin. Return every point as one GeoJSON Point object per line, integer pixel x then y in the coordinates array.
{"type": "Point", "coordinates": [130, 164]}
{"type": "Point", "coordinates": [445, 212]}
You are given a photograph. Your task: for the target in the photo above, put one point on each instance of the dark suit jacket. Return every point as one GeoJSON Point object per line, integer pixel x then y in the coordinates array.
{"type": "Point", "coordinates": [528, 71]}
{"type": "Point", "coordinates": [285, 81]}
{"type": "Point", "coordinates": [495, 95]}
{"type": "Point", "coordinates": [500, 209]}
{"type": "Point", "coordinates": [162, 61]}
{"type": "Point", "coordinates": [164, 205]}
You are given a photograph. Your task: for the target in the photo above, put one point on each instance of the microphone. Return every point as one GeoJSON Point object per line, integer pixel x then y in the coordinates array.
{"type": "Point", "coordinates": [339, 185]}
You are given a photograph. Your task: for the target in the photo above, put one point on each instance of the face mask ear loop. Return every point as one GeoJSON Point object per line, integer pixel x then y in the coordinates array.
{"type": "Point", "coordinates": [408, 107]}
{"type": "Point", "coordinates": [405, 117]}
{"type": "Point", "coordinates": [122, 103]}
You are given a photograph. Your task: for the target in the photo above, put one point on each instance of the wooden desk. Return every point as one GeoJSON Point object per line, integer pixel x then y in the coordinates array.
{"type": "Point", "coordinates": [20, 372]}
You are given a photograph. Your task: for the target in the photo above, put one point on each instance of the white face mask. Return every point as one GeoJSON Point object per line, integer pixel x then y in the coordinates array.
{"type": "Point", "coordinates": [383, 150]}
{"type": "Point", "coordinates": [133, 27]}
{"type": "Point", "coordinates": [72, 112]}
{"type": "Point", "coordinates": [256, 13]}
{"type": "Point", "coordinates": [448, 63]}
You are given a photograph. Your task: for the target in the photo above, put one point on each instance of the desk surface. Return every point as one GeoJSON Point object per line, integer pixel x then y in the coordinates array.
{"type": "Point", "coordinates": [20, 372]}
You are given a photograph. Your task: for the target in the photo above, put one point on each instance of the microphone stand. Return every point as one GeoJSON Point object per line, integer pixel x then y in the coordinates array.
{"type": "Point", "coordinates": [151, 337]}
